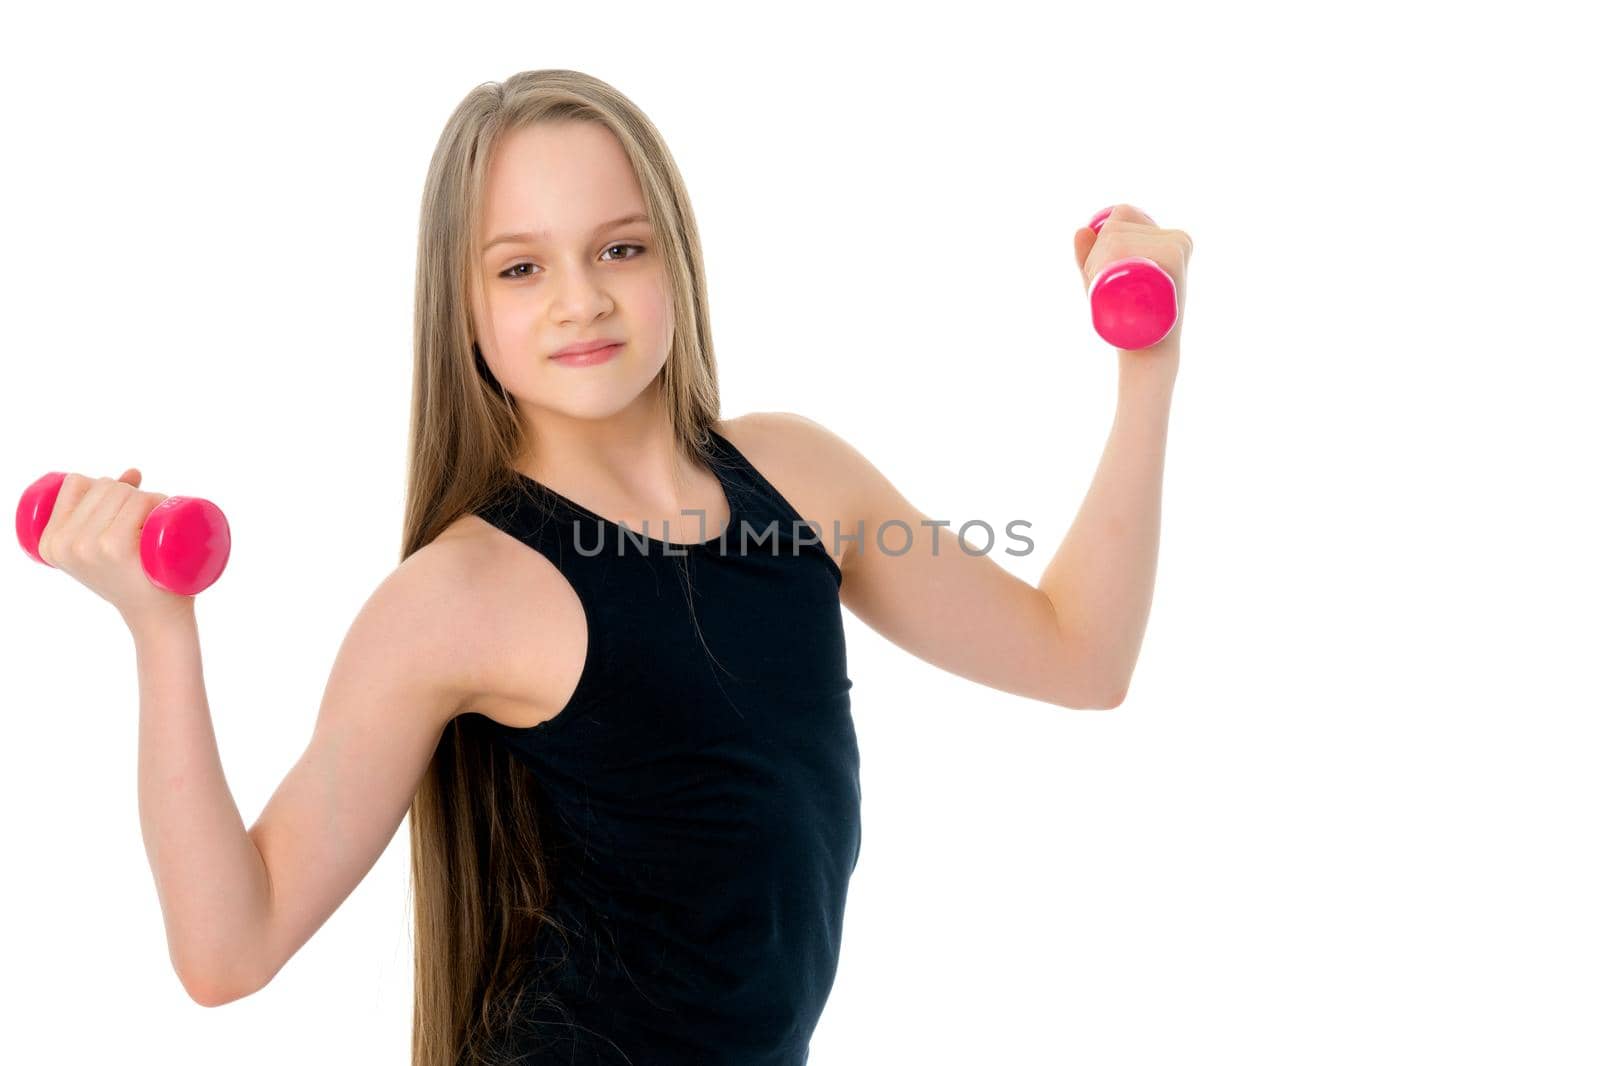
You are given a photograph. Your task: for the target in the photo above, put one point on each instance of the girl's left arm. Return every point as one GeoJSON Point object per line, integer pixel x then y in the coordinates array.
{"type": "Point", "coordinates": [1101, 580]}
{"type": "Point", "coordinates": [1072, 640]}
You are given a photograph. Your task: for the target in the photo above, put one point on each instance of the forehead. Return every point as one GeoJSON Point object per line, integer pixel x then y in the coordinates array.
{"type": "Point", "coordinates": [560, 178]}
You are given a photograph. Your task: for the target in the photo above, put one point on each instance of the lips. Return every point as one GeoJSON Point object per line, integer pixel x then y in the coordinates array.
{"type": "Point", "coordinates": [594, 357]}
{"type": "Point", "coordinates": [584, 347]}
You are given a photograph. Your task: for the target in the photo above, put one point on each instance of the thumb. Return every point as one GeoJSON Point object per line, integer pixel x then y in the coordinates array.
{"type": "Point", "coordinates": [1083, 242]}
{"type": "Point", "coordinates": [132, 476]}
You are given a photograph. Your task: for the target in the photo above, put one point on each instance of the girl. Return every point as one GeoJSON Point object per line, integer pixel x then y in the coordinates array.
{"type": "Point", "coordinates": [629, 760]}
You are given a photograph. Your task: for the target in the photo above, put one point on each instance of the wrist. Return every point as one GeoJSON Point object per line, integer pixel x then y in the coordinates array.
{"type": "Point", "coordinates": [147, 620]}
{"type": "Point", "coordinates": [1146, 369]}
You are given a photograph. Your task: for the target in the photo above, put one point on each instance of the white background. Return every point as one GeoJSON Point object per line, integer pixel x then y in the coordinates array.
{"type": "Point", "coordinates": [1346, 813]}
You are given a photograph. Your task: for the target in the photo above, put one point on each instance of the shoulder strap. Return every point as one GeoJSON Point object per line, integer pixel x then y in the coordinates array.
{"type": "Point", "coordinates": [761, 504]}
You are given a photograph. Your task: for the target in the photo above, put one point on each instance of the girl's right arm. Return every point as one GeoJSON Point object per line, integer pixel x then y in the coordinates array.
{"type": "Point", "coordinates": [238, 904]}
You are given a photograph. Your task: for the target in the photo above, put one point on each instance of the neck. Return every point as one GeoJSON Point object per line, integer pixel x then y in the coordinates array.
{"type": "Point", "coordinates": [632, 454]}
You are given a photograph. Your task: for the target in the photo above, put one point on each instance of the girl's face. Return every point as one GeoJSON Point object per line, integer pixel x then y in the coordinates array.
{"type": "Point", "coordinates": [555, 272]}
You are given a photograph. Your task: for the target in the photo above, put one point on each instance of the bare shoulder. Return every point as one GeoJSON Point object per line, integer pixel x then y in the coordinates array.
{"type": "Point", "coordinates": [416, 613]}
{"type": "Point", "coordinates": [788, 439]}
{"type": "Point", "coordinates": [519, 635]}
{"type": "Point", "coordinates": [815, 469]}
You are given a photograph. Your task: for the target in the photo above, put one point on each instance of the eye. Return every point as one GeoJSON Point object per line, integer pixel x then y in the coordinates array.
{"type": "Point", "coordinates": [509, 272]}
{"type": "Point", "coordinates": [640, 247]}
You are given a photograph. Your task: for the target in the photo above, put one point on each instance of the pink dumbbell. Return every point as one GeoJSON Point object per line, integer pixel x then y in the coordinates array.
{"type": "Point", "coordinates": [183, 547]}
{"type": "Point", "coordinates": [1132, 302]}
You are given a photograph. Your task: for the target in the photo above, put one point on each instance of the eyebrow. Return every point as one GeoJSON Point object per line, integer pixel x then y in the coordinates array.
{"type": "Point", "coordinates": [539, 235]}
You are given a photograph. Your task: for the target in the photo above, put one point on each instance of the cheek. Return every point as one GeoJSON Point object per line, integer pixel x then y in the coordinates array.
{"type": "Point", "coordinates": [660, 311]}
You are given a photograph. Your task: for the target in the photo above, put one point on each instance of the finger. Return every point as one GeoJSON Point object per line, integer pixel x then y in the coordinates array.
{"type": "Point", "coordinates": [1083, 242]}
{"type": "Point", "coordinates": [128, 524]}
{"type": "Point", "coordinates": [1129, 213]}
{"type": "Point", "coordinates": [87, 502]}
{"type": "Point", "coordinates": [74, 487]}
{"type": "Point", "coordinates": [106, 507]}
{"type": "Point", "coordinates": [72, 491]}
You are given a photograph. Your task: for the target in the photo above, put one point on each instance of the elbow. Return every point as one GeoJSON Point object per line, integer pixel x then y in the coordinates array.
{"type": "Point", "coordinates": [1098, 697]}
{"type": "Point", "coordinates": [213, 995]}
{"type": "Point", "coordinates": [1112, 697]}
{"type": "Point", "coordinates": [203, 993]}
{"type": "Point", "coordinates": [1097, 703]}
{"type": "Point", "coordinates": [212, 990]}
{"type": "Point", "coordinates": [1089, 677]}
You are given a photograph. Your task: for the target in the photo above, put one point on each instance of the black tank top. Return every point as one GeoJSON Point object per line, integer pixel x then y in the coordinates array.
{"type": "Point", "coordinates": [699, 793]}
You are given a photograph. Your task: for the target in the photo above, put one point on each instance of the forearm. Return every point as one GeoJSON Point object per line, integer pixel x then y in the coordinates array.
{"type": "Point", "coordinates": [1101, 580]}
{"type": "Point", "coordinates": [209, 875]}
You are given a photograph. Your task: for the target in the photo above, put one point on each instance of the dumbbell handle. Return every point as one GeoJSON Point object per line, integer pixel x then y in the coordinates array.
{"type": "Point", "coordinates": [1133, 303]}
{"type": "Point", "coordinates": [183, 547]}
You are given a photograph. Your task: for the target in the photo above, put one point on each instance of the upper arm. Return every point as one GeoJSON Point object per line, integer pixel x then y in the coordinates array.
{"type": "Point", "coordinates": [396, 682]}
{"type": "Point", "coordinates": [956, 608]}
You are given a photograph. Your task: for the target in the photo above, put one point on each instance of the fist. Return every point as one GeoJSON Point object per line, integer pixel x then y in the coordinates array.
{"type": "Point", "coordinates": [1129, 231]}
{"type": "Point", "coordinates": [93, 535]}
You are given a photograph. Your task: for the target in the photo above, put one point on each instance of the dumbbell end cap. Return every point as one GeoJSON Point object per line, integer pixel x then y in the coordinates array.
{"type": "Point", "coordinates": [33, 511]}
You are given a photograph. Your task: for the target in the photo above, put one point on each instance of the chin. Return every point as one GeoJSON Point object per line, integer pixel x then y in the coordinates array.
{"type": "Point", "coordinates": [596, 400]}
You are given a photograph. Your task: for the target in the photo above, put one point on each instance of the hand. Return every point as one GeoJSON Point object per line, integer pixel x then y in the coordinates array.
{"type": "Point", "coordinates": [93, 535]}
{"type": "Point", "coordinates": [1129, 231]}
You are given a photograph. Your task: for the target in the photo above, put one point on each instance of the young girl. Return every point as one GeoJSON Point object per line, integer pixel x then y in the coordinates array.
{"type": "Point", "coordinates": [629, 759]}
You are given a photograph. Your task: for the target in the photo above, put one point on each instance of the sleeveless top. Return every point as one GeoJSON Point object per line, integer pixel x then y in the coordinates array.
{"type": "Point", "coordinates": [699, 794]}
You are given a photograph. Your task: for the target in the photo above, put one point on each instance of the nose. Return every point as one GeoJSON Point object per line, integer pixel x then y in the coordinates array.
{"type": "Point", "coordinates": [579, 294]}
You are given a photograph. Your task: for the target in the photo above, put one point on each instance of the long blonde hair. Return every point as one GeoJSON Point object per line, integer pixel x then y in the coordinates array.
{"type": "Point", "coordinates": [478, 878]}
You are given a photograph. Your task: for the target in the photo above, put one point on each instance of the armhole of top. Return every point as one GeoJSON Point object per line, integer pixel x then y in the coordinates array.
{"type": "Point", "coordinates": [510, 519]}
{"type": "Point", "coordinates": [794, 515]}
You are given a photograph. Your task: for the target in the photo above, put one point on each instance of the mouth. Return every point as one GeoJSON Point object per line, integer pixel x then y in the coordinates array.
{"type": "Point", "coordinates": [587, 358]}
